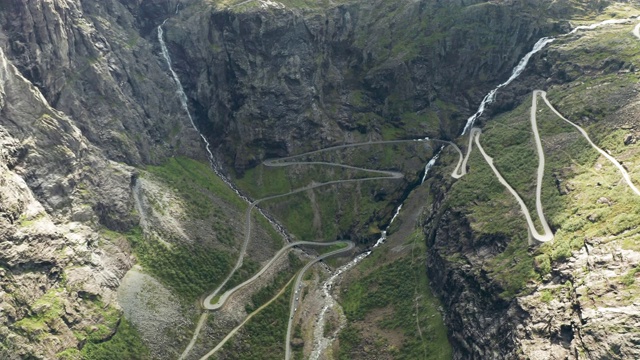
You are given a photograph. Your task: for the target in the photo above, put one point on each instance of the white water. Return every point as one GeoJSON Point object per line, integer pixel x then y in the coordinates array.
{"type": "Point", "coordinates": [490, 97]}
{"type": "Point", "coordinates": [430, 165]}
{"type": "Point", "coordinates": [184, 102]}
{"type": "Point", "coordinates": [597, 25]}
{"type": "Point", "coordinates": [180, 91]}
{"type": "Point", "coordinates": [395, 215]}
{"type": "Point", "coordinates": [322, 342]}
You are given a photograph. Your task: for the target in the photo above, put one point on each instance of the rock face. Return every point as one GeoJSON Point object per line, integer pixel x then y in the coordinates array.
{"type": "Point", "coordinates": [69, 121]}
{"type": "Point", "coordinates": [580, 310]}
{"type": "Point", "coordinates": [50, 209]}
{"type": "Point", "coordinates": [85, 98]}
{"type": "Point", "coordinates": [274, 82]}
{"type": "Point", "coordinates": [90, 61]}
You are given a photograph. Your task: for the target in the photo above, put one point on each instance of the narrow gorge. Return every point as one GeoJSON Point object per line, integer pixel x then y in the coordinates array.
{"type": "Point", "coordinates": [319, 179]}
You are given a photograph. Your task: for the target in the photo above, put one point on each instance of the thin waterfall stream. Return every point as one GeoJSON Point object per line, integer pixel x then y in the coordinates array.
{"type": "Point", "coordinates": [491, 96]}
{"type": "Point", "coordinates": [320, 341]}
{"type": "Point", "coordinates": [182, 96]}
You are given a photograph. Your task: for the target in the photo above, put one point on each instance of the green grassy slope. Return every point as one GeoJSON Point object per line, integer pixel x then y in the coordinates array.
{"type": "Point", "coordinates": [579, 184]}
{"type": "Point", "coordinates": [394, 298]}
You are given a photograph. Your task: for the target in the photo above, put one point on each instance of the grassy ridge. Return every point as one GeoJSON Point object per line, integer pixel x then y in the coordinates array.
{"type": "Point", "coordinates": [112, 336]}
{"type": "Point", "coordinates": [125, 344]}
{"type": "Point", "coordinates": [196, 182]}
{"type": "Point", "coordinates": [191, 269]}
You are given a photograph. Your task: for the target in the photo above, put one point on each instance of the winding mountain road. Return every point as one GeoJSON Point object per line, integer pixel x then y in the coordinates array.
{"type": "Point", "coordinates": [235, 330]}
{"type": "Point", "coordinates": [298, 278]}
{"type": "Point", "coordinates": [295, 296]}
{"type": "Point", "coordinates": [621, 169]}
{"type": "Point", "coordinates": [547, 234]}
{"type": "Point", "coordinates": [475, 135]}
{"type": "Point", "coordinates": [458, 172]}
{"type": "Point", "coordinates": [224, 297]}
{"type": "Point", "coordinates": [283, 162]}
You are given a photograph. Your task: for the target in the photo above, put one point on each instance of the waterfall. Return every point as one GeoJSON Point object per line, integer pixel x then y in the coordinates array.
{"type": "Point", "coordinates": [181, 94]}
{"type": "Point", "coordinates": [430, 165]}
{"type": "Point", "coordinates": [185, 106]}
{"type": "Point", "coordinates": [490, 97]}
{"type": "Point", "coordinates": [597, 25]}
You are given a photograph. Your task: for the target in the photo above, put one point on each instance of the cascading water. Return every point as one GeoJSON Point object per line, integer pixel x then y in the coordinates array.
{"type": "Point", "coordinates": [320, 341]}
{"type": "Point", "coordinates": [430, 165]}
{"type": "Point", "coordinates": [539, 45]}
{"type": "Point", "coordinates": [603, 23]}
{"type": "Point", "coordinates": [182, 96]}
{"type": "Point", "coordinates": [490, 97]}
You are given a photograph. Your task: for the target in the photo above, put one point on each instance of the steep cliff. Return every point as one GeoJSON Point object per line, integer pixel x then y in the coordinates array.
{"type": "Point", "coordinates": [102, 169]}
{"type": "Point", "coordinates": [269, 81]}
{"type": "Point", "coordinates": [278, 81]}
{"type": "Point", "coordinates": [83, 97]}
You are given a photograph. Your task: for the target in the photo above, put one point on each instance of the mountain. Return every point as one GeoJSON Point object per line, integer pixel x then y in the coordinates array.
{"type": "Point", "coordinates": [156, 150]}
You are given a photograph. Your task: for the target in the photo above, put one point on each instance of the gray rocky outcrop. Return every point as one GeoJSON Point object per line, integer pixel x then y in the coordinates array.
{"type": "Point", "coordinates": [85, 97]}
